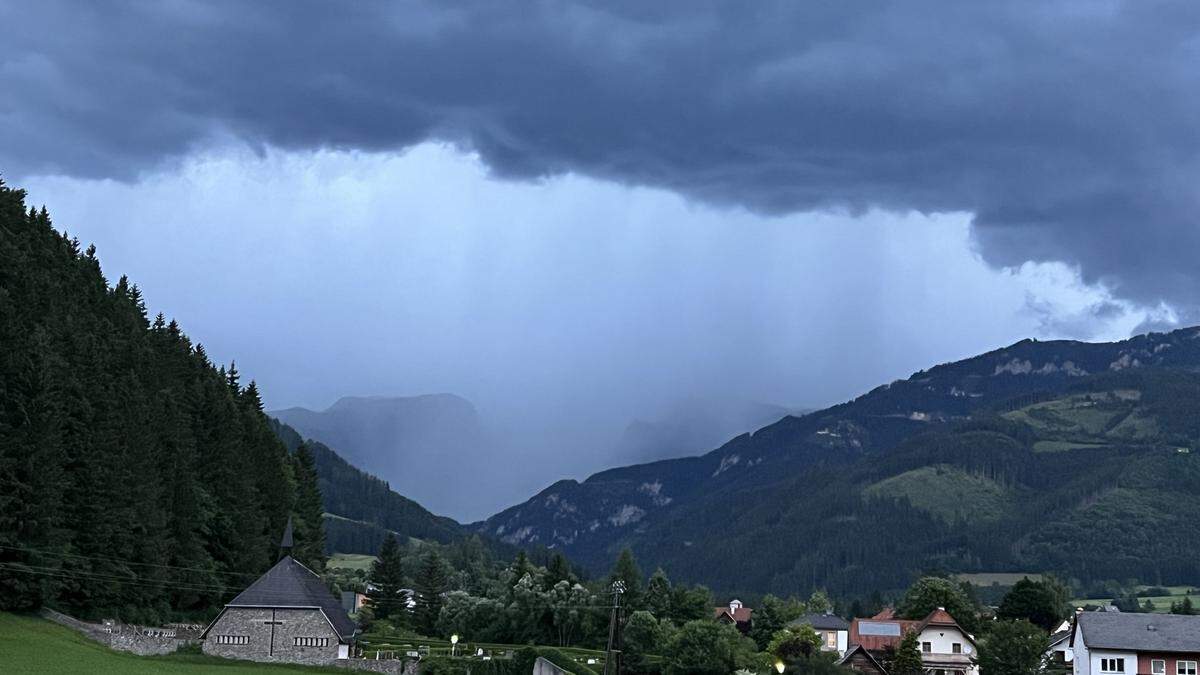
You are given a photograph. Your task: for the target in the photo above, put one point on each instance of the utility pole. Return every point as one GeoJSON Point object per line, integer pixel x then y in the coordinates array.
{"type": "Point", "coordinates": [612, 655]}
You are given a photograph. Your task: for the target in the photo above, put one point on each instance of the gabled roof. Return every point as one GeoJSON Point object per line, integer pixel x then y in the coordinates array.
{"type": "Point", "coordinates": [290, 584]}
{"type": "Point", "coordinates": [1140, 632]}
{"type": "Point", "coordinates": [822, 622]}
{"type": "Point", "coordinates": [881, 631]}
{"type": "Point", "coordinates": [879, 634]}
{"type": "Point", "coordinates": [940, 617]}
{"type": "Point", "coordinates": [1060, 636]}
{"type": "Point", "coordinates": [739, 615]}
{"type": "Point", "coordinates": [859, 649]}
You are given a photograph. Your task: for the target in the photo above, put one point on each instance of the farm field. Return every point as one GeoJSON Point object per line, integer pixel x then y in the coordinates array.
{"type": "Point", "coordinates": [29, 644]}
{"type": "Point", "coordinates": [1161, 603]}
{"type": "Point", "coordinates": [350, 561]}
{"type": "Point", "coordinates": [1000, 578]}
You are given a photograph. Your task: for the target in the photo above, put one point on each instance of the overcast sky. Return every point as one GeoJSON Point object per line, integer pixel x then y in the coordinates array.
{"type": "Point", "coordinates": [580, 213]}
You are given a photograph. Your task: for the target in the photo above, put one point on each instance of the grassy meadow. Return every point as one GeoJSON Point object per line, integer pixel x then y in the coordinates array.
{"type": "Point", "coordinates": [29, 644]}
{"type": "Point", "coordinates": [350, 561]}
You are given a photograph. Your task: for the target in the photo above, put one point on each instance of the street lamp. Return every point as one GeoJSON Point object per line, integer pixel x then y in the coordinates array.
{"type": "Point", "coordinates": [779, 667]}
{"type": "Point", "coordinates": [454, 645]}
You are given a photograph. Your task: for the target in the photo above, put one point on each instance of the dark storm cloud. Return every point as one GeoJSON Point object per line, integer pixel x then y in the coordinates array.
{"type": "Point", "coordinates": [1069, 129]}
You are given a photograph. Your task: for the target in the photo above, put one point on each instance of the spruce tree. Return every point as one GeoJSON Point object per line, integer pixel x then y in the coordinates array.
{"type": "Point", "coordinates": [386, 581]}
{"type": "Point", "coordinates": [626, 570]}
{"type": "Point", "coordinates": [308, 512]}
{"type": "Point", "coordinates": [429, 584]}
{"type": "Point", "coordinates": [658, 595]}
{"type": "Point", "coordinates": [908, 657]}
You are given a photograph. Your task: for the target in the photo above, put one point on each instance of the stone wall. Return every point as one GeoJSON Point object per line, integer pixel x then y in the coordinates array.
{"type": "Point", "coordinates": [251, 622]}
{"type": "Point", "coordinates": [141, 640]}
{"type": "Point", "coordinates": [389, 666]}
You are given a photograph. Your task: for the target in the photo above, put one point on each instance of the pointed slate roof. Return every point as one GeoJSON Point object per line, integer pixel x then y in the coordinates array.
{"type": "Point", "coordinates": [290, 584]}
{"type": "Point", "coordinates": [288, 542]}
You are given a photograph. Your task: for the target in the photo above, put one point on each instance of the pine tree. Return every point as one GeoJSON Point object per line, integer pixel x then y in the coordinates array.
{"type": "Point", "coordinates": [626, 570]}
{"type": "Point", "coordinates": [908, 657]}
{"type": "Point", "coordinates": [429, 584]}
{"type": "Point", "coordinates": [308, 511]}
{"type": "Point", "coordinates": [558, 570]}
{"type": "Point", "coordinates": [658, 595]}
{"type": "Point", "coordinates": [1184, 606]}
{"type": "Point", "coordinates": [386, 581]}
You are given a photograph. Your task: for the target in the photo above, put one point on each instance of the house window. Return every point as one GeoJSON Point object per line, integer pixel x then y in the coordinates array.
{"type": "Point", "coordinates": [956, 648]}
{"type": "Point", "coordinates": [1158, 667]}
{"type": "Point", "coordinates": [1185, 668]}
{"type": "Point", "coordinates": [233, 639]}
{"type": "Point", "coordinates": [926, 647]}
{"type": "Point", "coordinates": [1112, 665]}
{"type": "Point", "coordinates": [831, 640]}
{"type": "Point", "coordinates": [311, 641]}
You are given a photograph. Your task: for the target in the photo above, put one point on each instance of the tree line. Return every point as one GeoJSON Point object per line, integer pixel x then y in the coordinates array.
{"type": "Point", "coordinates": [138, 479]}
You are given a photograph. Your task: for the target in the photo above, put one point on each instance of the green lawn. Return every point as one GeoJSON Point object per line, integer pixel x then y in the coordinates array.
{"type": "Point", "coordinates": [1001, 578]}
{"type": "Point", "coordinates": [1162, 603]}
{"type": "Point", "coordinates": [350, 561]}
{"type": "Point", "coordinates": [30, 644]}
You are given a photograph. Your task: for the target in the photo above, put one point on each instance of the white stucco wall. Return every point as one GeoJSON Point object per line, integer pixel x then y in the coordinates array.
{"type": "Point", "coordinates": [1094, 656]}
{"type": "Point", "coordinates": [1082, 664]}
{"type": "Point", "coordinates": [942, 638]}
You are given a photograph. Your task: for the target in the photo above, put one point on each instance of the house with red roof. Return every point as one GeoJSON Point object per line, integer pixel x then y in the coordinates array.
{"type": "Point", "coordinates": [946, 649]}
{"type": "Point", "coordinates": [736, 614]}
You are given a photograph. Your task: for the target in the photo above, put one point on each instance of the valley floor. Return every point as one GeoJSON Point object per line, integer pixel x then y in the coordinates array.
{"type": "Point", "coordinates": [29, 644]}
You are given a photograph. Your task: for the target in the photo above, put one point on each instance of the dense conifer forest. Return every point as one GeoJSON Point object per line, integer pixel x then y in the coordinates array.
{"type": "Point", "coordinates": [138, 479]}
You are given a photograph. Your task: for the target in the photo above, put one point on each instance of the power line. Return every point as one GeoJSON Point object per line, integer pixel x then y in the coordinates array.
{"type": "Point", "coordinates": [130, 562]}
{"type": "Point", "coordinates": [100, 576]}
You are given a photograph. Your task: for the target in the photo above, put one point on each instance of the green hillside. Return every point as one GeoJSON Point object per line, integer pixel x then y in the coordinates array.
{"type": "Point", "coordinates": [39, 647]}
{"type": "Point", "coordinates": [1054, 457]}
{"type": "Point", "coordinates": [947, 492]}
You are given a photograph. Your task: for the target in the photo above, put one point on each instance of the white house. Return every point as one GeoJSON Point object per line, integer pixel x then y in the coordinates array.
{"type": "Point", "coordinates": [1060, 651]}
{"type": "Point", "coordinates": [945, 646]}
{"type": "Point", "coordinates": [946, 649]}
{"type": "Point", "coordinates": [833, 630]}
{"type": "Point", "coordinates": [1119, 643]}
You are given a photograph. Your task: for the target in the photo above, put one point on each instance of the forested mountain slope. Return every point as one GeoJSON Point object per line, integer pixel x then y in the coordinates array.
{"type": "Point", "coordinates": [361, 509]}
{"type": "Point", "coordinates": [430, 447]}
{"type": "Point", "coordinates": [1057, 456]}
{"type": "Point", "coordinates": [137, 479]}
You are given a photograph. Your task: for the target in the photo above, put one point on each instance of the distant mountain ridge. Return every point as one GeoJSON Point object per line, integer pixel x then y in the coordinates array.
{"type": "Point", "coordinates": [809, 498]}
{"type": "Point", "coordinates": [429, 447]}
{"type": "Point", "coordinates": [354, 495]}
{"type": "Point", "coordinates": [691, 427]}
